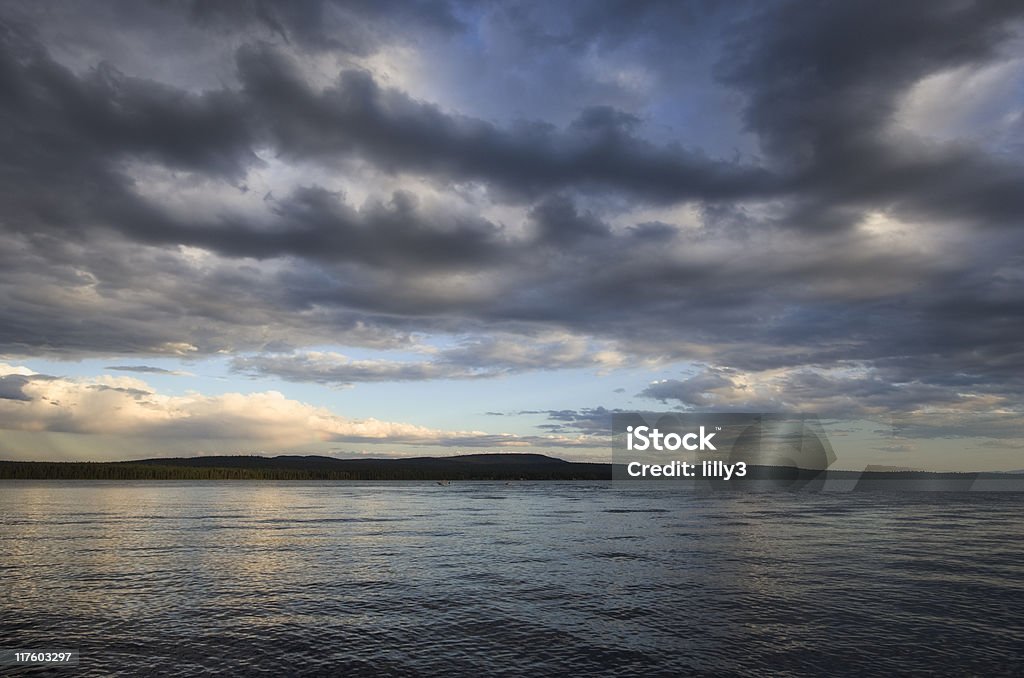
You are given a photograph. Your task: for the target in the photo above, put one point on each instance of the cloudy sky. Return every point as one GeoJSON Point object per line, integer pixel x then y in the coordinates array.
{"type": "Point", "coordinates": [392, 228]}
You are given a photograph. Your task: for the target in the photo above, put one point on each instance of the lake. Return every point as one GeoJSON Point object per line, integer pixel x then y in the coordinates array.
{"type": "Point", "coordinates": [397, 578]}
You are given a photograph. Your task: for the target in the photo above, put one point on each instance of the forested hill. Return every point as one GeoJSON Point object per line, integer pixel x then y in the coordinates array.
{"type": "Point", "coordinates": [465, 467]}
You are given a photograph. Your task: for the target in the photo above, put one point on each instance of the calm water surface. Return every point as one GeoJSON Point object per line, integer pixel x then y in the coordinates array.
{"type": "Point", "coordinates": [276, 579]}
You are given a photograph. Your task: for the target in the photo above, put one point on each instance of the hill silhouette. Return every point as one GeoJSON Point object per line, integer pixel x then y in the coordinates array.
{"type": "Point", "coordinates": [312, 467]}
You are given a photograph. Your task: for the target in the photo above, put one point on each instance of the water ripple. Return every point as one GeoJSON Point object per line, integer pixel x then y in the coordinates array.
{"type": "Point", "coordinates": [526, 579]}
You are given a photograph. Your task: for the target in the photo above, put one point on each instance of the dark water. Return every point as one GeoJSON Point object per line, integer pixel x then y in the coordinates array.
{"type": "Point", "coordinates": [523, 579]}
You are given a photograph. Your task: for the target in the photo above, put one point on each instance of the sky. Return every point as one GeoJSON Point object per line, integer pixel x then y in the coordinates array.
{"type": "Point", "coordinates": [402, 227]}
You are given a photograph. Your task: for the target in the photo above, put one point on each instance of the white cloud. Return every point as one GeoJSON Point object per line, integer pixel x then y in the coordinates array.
{"type": "Point", "coordinates": [984, 93]}
{"type": "Point", "coordinates": [129, 407]}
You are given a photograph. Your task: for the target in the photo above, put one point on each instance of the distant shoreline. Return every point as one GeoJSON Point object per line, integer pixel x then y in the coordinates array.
{"type": "Point", "coordinates": [465, 467]}
{"type": "Point", "coordinates": [492, 467]}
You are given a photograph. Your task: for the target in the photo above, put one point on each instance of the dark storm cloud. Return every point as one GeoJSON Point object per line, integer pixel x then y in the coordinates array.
{"type": "Point", "coordinates": [400, 134]}
{"type": "Point", "coordinates": [921, 402]}
{"type": "Point", "coordinates": [107, 297]}
{"type": "Point", "coordinates": [66, 135]}
{"type": "Point", "coordinates": [560, 223]}
{"type": "Point", "coordinates": [56, 120]}
{"type": "Point", "coordinates": [824, 80]}
{"type": "Point", "coordinates": [773, 275]}
{"type": "Point", "coordinates": [593, 421]}
{"type": "Point", "coordinates": [689, 392]}
{"type": "Point", "coordinates": [314, 223]}
{"type": "Point", "coordinates": [821, 76]}
{"type": "Point", "coordinates": [11, 386]}
{"type": "Point", "coordinates": [354, 26]}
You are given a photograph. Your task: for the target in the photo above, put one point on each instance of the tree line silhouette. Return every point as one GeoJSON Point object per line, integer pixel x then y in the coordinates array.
{"type": "Point", "coordinates": [469, 467]}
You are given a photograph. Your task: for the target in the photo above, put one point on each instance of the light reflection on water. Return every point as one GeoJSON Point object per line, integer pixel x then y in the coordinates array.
{"type": "Point", "coordinates": [180, 578]}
